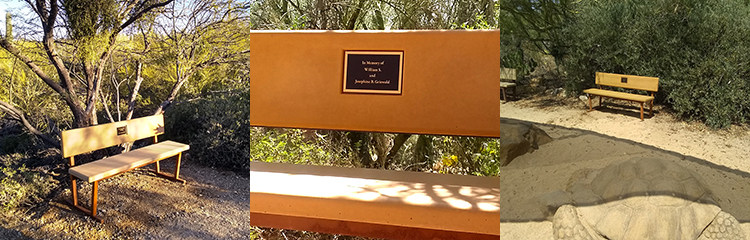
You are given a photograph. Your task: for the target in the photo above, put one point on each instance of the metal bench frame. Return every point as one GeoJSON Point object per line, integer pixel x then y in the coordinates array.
{"type": "Point", "coordinates": [83, 140]}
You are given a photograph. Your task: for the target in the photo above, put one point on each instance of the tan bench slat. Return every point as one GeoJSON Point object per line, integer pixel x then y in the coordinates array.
{"type": "Point", "coordinates": [506, 84]}
{"type": "Point", "coordinates": [82, 140]}
{"type": "Point", "coordinates": [633, 82]}
{"type": "Point", "coordinates": [619, 95]}
{"type": "Point", "coordinates": [107, 167]}
{"type": "Point", "coordinates": [410, 199]}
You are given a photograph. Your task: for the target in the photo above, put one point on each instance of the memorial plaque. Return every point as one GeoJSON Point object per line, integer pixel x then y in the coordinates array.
{"type": "Point", "coordinates": [122, 130]}
{"type": "Point", "coordinates": [373, 71]}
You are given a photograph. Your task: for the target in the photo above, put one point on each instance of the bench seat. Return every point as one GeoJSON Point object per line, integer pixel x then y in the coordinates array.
{"type": "Point", "coordinates": [108, 167]}
{"type": "Point", "coordinates": [456, 203]}
{"type": "Point", "coordinates": [619, 95]}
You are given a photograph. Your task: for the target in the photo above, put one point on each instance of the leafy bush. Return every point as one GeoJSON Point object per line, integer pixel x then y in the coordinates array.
{"type": "Point", "coordinates": [468, 155]}
{"type": "Point", "coordinates": [19, 186]}
{"type": "Point", "coordinates": [698, 49]}
{"type": "Point", "coordinates": [300, 146]}
{"type": "Point", "coordinates": [215, 127]}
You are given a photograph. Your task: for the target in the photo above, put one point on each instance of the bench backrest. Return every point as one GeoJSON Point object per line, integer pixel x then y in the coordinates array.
{"type": "Point", "coordinates": [650, 84]}
{"type": "Point", "coordinates": [87, 139]}
{"type": "Point", "coordinates": [297, 76]}
{"type": "Point", "coordinates": [508, 74]}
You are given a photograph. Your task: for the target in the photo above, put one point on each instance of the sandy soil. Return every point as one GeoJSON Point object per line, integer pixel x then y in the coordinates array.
{"type": "Point", "coordinates": [612, 134]}
{"type": "Point", "coordinates": [213, 204]}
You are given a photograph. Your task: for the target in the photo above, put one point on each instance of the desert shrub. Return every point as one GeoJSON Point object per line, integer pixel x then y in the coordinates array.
{"type": "Point", "coordinates": [216, 127]}
{"type": "Point", "coordinates": [20, 186]}
{"type": "Point", "coordinates": [468, 155]}
{"type": "Point", "coordinates": [18, 143]}
{"type": "Point", "coordinates": [299, 146]}
{"type": "Point", "coordinates": [697, 48]}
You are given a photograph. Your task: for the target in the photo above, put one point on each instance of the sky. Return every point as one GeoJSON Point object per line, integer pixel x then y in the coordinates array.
{"type": "Point", "coordinates": [6, 5]}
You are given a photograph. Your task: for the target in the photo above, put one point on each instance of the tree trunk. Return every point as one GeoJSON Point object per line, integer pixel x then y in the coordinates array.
{"type": "Point", "coordinates": [168, 102]}
{"type": "Point", "coordinates": [423, 149]}
{"type": "Point", "coordinates": [360, 144]}
{"type": "Point", "coordinates": [106, 108]}
{"type": "Point", "coordinates": [353, 20]}
{"type": "Point", "coordinates": [398, 142]}
{"type": "Point", "coordinates": [380, 143]}
{"type": "Point", "coordinates": [134, 93]}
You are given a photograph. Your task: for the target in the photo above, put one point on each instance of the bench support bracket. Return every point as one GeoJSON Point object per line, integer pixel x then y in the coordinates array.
{"type": "Point", "coordinates": [74, 201]}
{"type": "Point", "coordinates": [176, 176]}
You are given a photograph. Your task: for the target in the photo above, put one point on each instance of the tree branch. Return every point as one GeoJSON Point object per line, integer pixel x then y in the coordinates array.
{"type": "Point", "coordinates": [143, 11]}
{"type": "Point", "coordinates": [19, 116]}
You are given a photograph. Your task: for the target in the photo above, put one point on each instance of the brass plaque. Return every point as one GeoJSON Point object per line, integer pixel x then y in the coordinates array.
{"type": "Point", "coordinates": [373, 71]}
{"type": "Point", "coordinates": [122, 130]}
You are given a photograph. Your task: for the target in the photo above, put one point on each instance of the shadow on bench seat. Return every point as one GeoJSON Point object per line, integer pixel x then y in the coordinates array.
{"type": "Point", "coordinates": [107, 167]}
{"type": "Point", "coordinates": [374, 203]}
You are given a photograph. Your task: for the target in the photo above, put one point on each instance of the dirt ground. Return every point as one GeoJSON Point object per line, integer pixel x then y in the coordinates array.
{"type": "Point", "coordinates": [608, 135]}
{"type": "Point", "coordinates": [213, 204]}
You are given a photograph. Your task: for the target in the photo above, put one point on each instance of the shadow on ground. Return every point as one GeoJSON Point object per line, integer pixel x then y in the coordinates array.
{"type": "Point", "coordinates": [213, 204]}
{"type": "Point", "coordinates": [529, 177]}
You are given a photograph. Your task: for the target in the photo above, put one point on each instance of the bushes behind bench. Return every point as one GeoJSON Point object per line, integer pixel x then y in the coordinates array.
{"type": "Point", "coordinates": [700, 50]}
{"type": "Point", "coordinates": [216, 128]}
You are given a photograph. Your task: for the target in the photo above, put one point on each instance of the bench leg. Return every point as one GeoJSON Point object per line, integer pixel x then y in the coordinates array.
{"type": "Point", "coordinates": [94, 194]}
{"type": "Point", "coordinates": [591, 107]}
{"type": "Point", "coordinates": [176, 176]}
{"type": "Point", "coordinates": [74, 202]}
{"type": "Point", "coordinates": [177, 167]}
{"type": "Point", "coordinates": [502, 90]}
{"type": "Point", "coordinates": [157, 167]}
{"type": "Point", "coordinates": [651, 109]}
{"type": "Point", "coordinates": [74, 190]}
{"type": "Point", "coordinates": [641, 111]}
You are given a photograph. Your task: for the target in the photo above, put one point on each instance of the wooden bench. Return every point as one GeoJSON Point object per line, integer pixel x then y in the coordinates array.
{"type": "Point", "coordinates": [83, 140]}
{"type": "Point", "coordinates": [650, 84]}
{"type": "Point", "coordinates": [507, 80]}
{"type": "Point", "coordinates": [438, 98]}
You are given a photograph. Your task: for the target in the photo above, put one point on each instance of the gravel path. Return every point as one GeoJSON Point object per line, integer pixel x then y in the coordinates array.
{"type": "Point", "coordinates": [213, 204]}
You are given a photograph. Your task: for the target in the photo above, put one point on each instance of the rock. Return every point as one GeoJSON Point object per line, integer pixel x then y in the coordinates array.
{"type": "Point", "coordinates": [583, 98]}
{"type": "Point", "coordinates": [642, 198]}
{"type": "Point", "coordinates": [518, 138]}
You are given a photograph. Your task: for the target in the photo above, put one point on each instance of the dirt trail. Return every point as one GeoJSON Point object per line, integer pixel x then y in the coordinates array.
{"type": "Point", "coordinates": [213, 204]}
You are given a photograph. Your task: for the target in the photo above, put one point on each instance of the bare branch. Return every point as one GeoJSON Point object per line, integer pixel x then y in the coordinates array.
{"type": "Point", "coordinates": [19, 116]}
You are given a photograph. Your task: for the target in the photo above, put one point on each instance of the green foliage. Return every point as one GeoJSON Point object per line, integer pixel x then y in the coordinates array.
{"type": "Point", "coordinates": [19, 186]}
{"type": "Point", "coordinates": [425, 153]}
{"type": "Point", "coordinates": [372, 14]}
{"type": "Point", "coordinates": [539, 22]}
{"type": "Point", "coordinates": [698, 49]}
{"type": "Point", "coordinates": [291, 146]}
{"type": "Point", "coordinates": [488, 159]}
{"type": "Point", "coordinates": [529, 28]}
{"type": "Point", "coordinates": [216, 128]}
{"type": "Point", "coordinates": [21, 88]}
{"type": "Point", "coordinates": [468, 155]}
{"type": "Point", "coordinates": [86, 18]}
